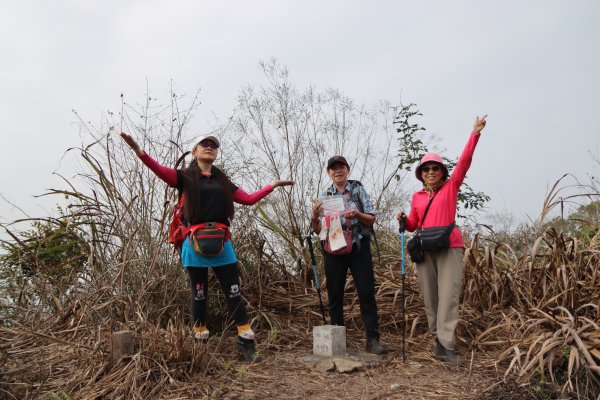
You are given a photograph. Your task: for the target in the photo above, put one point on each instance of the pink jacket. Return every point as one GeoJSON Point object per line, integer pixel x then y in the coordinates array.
{"type": "Point", "coordinates": [443, 208]}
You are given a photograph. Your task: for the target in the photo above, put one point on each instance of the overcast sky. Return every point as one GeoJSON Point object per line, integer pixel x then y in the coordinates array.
{"type": "Point", "coordinates": [532, 66]}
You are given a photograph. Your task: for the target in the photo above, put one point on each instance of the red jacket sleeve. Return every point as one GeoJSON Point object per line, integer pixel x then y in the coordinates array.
{"type": "Point", "coordinates": [168, 175]}
{"type": "Point", "coordinates": [241, 197]}
{"type": "Point", "coordinates": [464, 161]}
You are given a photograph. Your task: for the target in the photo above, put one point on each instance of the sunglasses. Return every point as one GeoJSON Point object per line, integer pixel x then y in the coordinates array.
{"type": "Point", "coordinates": [209, 145]}
{"type": "Point", "coordinates": [433, 168]}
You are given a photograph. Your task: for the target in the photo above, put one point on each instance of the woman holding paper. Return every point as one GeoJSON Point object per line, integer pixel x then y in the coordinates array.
{"type": "Point", "coordinates": [343, 219]}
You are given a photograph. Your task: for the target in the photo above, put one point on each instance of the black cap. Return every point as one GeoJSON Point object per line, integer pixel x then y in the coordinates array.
{"type": "Point", "coordinates": [337, 160]}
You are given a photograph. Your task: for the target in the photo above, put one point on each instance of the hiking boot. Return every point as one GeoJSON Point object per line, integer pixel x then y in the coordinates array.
{"type": "Point", "coordinates": [439, 349]}
{"type": "Point", "coordinates": [374, 347]}
{"type": "Point", "coordinates": [248, 349]}
{"type": "Point", "coordinates": [449, 356]}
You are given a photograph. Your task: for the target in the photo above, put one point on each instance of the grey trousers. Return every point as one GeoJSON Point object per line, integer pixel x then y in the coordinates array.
{"type": "Point", "coordinates": [440, 280]}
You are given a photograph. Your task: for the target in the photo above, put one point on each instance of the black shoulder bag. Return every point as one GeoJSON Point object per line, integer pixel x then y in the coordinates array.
{"type": "Point", "coordinates": [432, 238]}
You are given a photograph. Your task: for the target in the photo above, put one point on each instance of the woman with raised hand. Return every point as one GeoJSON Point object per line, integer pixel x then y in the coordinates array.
{"type": "Point", "coordinates": [208, 207]}
{"type": "Point", "coordinates": [440, 262]}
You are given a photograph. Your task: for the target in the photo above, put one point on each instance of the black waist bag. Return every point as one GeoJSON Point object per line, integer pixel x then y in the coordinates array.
{"type": "Point", "coordinates": [432, 238]}
{"type": "Point", "coordinates": [435, 237]}
{"type": "Point", "coordinates": [427, 239]}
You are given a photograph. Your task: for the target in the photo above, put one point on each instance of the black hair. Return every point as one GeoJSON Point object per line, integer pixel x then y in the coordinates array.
{"type": "Point", "coordinates": [191, 209]}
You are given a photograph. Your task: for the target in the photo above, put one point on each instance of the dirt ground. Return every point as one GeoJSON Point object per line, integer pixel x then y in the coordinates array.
{"type": "Point", "coordinates": [280, 375]}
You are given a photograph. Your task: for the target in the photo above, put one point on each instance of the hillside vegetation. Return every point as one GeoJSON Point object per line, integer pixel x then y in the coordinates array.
{"type": "Point", "coordinates": [529, 314]}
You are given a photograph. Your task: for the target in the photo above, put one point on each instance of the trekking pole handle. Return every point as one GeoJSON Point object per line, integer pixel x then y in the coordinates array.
{"type": "Point", "coordinates": [401, 224]}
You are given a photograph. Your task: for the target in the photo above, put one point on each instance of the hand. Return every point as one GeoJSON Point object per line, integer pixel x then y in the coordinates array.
{"type": "Point", "coordinates": [400, 215]}
{"type": "Point", "coordinates": [316, 210]}
{"type": "Point", "coordinates": [351, 214]}
{"type": "Point", "coordinates": [479, 123]}
{"type": "Point", "coordinates": [132, 143]}
{"type": "Point", "coordinates": [282, 182]}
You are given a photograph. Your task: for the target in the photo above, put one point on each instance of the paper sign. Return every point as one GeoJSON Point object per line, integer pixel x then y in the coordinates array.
{"type": "Point", "coordinates": [333, 204]}
{"type": "Point", "coordinates": [336, 235]}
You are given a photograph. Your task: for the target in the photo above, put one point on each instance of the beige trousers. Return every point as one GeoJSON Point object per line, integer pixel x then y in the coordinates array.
{"type": "Point", "coordinates": [440, 280]}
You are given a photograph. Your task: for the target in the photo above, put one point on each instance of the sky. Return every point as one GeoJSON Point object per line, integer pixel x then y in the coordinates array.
{"type": "Point", "coordinates": [532, 66]}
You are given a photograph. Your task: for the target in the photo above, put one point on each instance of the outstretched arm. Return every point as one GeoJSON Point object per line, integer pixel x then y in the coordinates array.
{"type": "Point", "coordinates": [241, 197]}
{"type": "Point", "coordinates": [133, 144]}
{"type": "Point", "coordinates": [168, 175]}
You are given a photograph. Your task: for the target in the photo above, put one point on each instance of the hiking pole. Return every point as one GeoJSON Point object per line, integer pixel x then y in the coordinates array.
{"type": "Point", "coordinates": [316, 273]}
{"type": "Point", "coordinates": [402, 324]}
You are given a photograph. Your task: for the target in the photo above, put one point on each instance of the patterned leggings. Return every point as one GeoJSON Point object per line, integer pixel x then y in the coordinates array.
{"type": "Point", "coordinates": [228, 276]}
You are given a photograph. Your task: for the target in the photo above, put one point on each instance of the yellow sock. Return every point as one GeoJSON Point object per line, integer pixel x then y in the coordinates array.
{"type": "Point", "coordinates": [201, 332]}
{"type": "Point", "coordinates": [245, 331]}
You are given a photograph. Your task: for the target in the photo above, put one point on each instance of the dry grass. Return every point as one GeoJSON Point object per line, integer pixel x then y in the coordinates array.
{"type": "Point", "coordinates": [529, 313]}
{"type": "Point", "coordinates": [532, 321]}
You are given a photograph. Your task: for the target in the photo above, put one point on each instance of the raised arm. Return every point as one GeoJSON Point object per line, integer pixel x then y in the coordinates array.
{"type": "Point", "coordinates": [464, 161]}
{"type": "Point", "coordinates": [168, 175]}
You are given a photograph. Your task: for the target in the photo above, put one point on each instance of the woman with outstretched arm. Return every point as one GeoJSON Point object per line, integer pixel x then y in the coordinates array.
{"type": "Point", "coordinates": [208, 202]}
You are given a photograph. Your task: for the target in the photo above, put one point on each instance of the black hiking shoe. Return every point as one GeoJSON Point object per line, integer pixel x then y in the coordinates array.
{"type": "Point", "coordinates": [449, 356]}
{"type": "Point", "coordinates": [374, 347]}
{"type": "Point", "coordinates": [248, 349]}
{"type": "Point", "coordinates": [439, 349]}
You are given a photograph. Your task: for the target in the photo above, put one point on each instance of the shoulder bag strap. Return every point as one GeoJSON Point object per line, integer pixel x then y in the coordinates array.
{"type": "Point", "coordinates": [426, 210]}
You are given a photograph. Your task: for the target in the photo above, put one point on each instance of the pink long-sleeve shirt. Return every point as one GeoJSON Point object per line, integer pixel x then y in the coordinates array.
{"type": "Point", "coordinates": [169, 176]}
{"type": "Point", "coordinates": [443, 208]}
